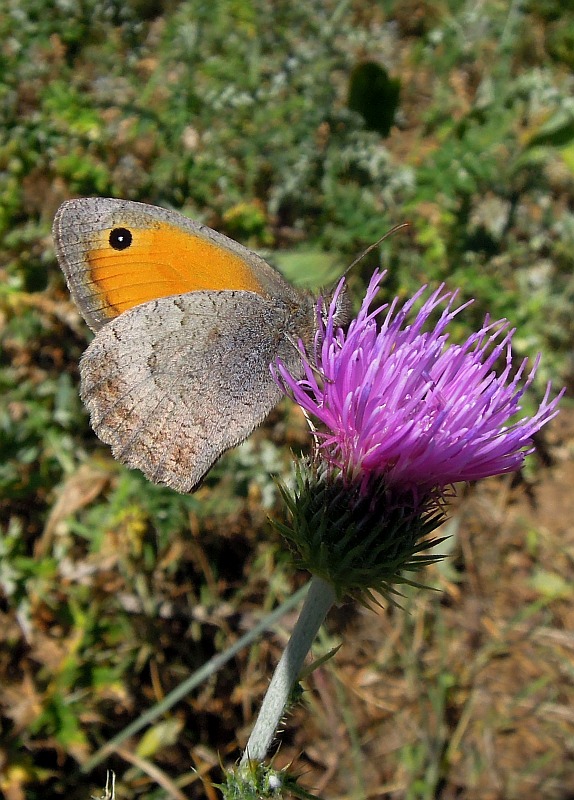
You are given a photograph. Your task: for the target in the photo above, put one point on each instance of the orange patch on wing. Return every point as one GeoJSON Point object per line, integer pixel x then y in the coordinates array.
{"type": "Point", "coordinates": [163, 261]}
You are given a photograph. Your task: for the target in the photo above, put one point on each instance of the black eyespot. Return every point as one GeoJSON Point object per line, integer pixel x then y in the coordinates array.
{"type": "Point", "coordinates": [120, 238]}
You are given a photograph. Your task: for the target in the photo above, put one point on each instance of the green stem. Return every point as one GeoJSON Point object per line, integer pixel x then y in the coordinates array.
{"type": "Point", "coordinates": [319, 600]}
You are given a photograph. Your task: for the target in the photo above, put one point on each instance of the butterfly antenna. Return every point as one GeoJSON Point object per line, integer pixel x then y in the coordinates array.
{"type": "Point", "coordinates": [371, 247]}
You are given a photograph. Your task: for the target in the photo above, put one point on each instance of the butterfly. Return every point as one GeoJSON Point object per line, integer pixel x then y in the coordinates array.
{"type": "Point", "coordinates": [187, 323]}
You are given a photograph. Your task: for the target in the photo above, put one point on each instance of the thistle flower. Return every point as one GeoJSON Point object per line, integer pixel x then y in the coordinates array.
{"type": "Point", "coordinates": [404, 414]}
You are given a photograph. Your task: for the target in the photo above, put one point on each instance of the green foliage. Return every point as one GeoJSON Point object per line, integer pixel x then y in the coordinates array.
{"type": "Point", "coordinates": [237, 112]}
{"type": "Point", "coordinates": [374, 95]}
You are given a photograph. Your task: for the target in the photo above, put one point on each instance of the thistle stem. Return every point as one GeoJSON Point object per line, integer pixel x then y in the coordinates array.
{"type": "Point", "coordinates": [319, 600]}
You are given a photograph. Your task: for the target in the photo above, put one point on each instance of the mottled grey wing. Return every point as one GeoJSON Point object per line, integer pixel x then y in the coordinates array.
{"type": "Point", "coordinates": [175, 382]}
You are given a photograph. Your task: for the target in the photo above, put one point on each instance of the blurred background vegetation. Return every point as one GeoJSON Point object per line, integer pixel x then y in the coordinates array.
{"type": "Point", "coordinates": [305, 130]}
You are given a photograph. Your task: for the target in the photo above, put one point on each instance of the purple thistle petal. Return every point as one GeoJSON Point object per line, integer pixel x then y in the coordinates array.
{"type": "Point", "coordinates": [397, 401]}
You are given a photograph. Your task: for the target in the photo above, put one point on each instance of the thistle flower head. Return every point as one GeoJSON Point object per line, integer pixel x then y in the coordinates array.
{"type": "Point", "coordinates": [397, 401]}
{"type": "Point", "coordinates": [403, 414]}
